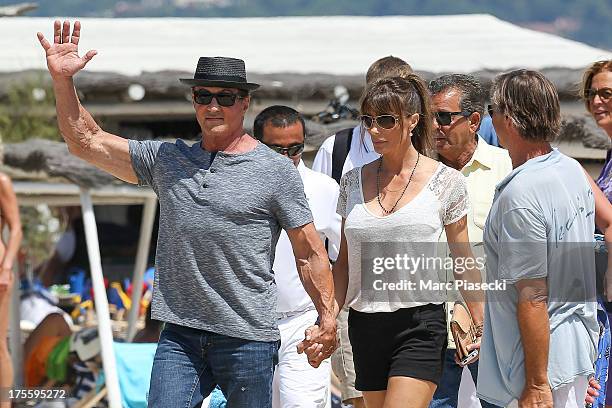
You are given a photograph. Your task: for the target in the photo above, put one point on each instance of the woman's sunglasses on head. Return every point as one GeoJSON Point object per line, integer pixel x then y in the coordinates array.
{"type": "Point", "coordinates": [224, 98]}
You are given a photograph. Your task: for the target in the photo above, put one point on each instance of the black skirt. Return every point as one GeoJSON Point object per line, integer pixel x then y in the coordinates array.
{"type": "Point", "coordinates": [409, 342]}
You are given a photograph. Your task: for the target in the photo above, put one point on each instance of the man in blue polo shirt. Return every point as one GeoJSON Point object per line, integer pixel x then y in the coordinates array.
{"type": "Point", "coordinates": [540, 335]}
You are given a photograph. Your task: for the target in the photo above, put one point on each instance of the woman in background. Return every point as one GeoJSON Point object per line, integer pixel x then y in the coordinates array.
{"type": "Point", "coordinates": [597, 94]}
{"type": "Point", "coordinates": [596, 90]}
{"type": "Point", "coordinates": [9, 213]}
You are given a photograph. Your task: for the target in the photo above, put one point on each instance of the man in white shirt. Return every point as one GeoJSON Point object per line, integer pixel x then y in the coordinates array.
{"type": "Point", "coordinates": [339, 153]}
{"type": "Point", "coordinates": [458, 105]}
{"type": "Point", "coordinates": [296, 384]}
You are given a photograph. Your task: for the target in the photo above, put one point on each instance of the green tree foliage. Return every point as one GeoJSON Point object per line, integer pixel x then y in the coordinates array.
{"type": "Point", "coordinates": [27, 112]}
{"type": "Point", "coordinates": [38, 232]}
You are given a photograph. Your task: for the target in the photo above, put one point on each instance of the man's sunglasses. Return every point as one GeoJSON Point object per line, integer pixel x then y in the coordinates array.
{"type": "Point", "coordinates": [224, 98]}
{"type": "Point", "coordinates": [445, 118]}
{"type": "Point", "coordinates": [381, 121]}
{"type": "Point", "coordinates": [290, 151]}
{"type": "Point", "coordinates": [605, 94]}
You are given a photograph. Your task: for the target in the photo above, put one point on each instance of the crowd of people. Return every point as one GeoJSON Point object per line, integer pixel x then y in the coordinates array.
{"type": "Point", "coordinates": [245, 284]}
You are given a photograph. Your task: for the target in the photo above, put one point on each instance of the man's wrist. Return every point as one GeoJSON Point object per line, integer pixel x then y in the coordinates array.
{"type": "Point", "coordinates": [61, 81]}
{"type": "Point", "coordinates": [537, 383]}
{"type": "Point", "coordinates": [325, 323]}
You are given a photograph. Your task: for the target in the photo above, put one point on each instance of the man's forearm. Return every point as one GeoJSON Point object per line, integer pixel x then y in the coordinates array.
{"type": "Point", "coordinates": [534, 325]}
{"type": "Point", "coordinates": [85, 139]}
{"type": "Point", "coordinates": [317, 280]}
{"type": "Point", "coordinates": [76, 125]}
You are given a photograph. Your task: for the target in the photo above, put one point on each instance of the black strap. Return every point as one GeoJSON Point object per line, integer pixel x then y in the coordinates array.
{"type": "Point", "coordinates": [342, 145]}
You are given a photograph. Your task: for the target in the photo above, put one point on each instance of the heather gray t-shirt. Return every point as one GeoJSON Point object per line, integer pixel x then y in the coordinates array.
{"type": "Point", "coordinates": [220, 218]}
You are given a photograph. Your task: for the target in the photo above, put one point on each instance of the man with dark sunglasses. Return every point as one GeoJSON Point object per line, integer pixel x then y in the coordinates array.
{"type": "Point", "coordinates": [458, 105]}
{"type": "Point", "coordinates": [296, 383]}
{"type": "Point", "coordinates": [223, 203]}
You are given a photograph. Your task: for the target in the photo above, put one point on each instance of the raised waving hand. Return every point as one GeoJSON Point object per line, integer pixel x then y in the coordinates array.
{"type": "Point", "coordinates": [84, 137]}
{"type": "Point", "coordinates": [63, 55]}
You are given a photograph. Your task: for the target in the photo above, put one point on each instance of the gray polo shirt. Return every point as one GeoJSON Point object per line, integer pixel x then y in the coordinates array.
{"type": "Point", "coordinates": [220, 218]}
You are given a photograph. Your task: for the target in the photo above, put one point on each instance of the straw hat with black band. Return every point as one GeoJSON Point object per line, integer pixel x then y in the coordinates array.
{"type": "Point", "coordinates": [221, 72]}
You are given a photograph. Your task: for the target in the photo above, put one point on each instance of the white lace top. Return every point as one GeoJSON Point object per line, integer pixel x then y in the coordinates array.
{"type": "Point", "coordinates": [384, 249]}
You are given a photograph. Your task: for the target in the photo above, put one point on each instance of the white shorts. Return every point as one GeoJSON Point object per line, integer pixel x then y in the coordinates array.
{"type": "Point", "coordinates": [570, 395]}
{"type": "Point", "coordinates": [296, 383]}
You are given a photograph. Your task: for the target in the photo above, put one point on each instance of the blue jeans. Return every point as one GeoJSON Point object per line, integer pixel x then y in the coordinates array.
{"type": "Point", "coordinates": [189, 363]}
{"type": "Point", "coordinates": [447, 393]}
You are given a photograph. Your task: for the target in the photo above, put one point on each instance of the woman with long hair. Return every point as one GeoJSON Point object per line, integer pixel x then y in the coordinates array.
{"type": "Point", "coordinates": [394, 211]}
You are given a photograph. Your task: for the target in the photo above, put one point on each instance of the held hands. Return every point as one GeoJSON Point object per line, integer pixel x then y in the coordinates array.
{"type": "Point", "coordinates": [63, 59]}
{"type": "Point", "coordinates": [319, 343]}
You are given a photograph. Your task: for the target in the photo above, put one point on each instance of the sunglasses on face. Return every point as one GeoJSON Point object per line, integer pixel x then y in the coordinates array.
{"type": "Point", "coordinates": [445, 118]}
{"type": "Point", "coordinates": [605, 94]}
{"type": "Point", "coordinates": [381, 121]}
{"type": "Point", "coordinates": [224, 98]}
{"type": "Point", "coordinates": [289, 151]}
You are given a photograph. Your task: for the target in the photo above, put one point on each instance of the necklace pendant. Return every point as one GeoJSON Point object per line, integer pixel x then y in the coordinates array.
{"type": "Point", "coordinates": [387, 212]}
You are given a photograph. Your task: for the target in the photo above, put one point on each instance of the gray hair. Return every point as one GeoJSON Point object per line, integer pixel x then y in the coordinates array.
{"type": "Point", "coordinates": [531, 102]}
{"type": "Point", "coordinates": [472, 95]}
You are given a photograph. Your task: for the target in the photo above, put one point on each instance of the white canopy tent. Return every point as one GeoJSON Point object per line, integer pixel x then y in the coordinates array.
{"type": "Point", "coordinates": [34, 193]}
{"type": "Point", "coordinates": [342, 45]}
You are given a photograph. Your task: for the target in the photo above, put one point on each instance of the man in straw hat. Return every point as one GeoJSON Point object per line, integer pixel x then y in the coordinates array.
{"type": "Point", "coordinates": [223, 202]}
